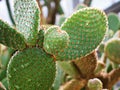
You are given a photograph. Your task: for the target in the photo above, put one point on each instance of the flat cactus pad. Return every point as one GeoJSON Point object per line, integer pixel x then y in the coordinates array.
{"type": "Point", "coordinates": [86, 29]}
{"type": "Point", "coordinates": [27, 18]}
{"type": "Point", "coordinates": [113, 21]}
{"type": "Point", "coordinates": [112, 50]}
{"type": "Point", "coordinates": [31, 69]}
{"type": "Point", "coordinates": [10, 37]}
{"type": "Point", "coordinates": [55, 40]}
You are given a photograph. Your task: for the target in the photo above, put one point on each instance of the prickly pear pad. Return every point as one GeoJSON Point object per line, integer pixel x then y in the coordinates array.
{"type": "Point", "coordinates": [27, 18]}
{"type": "Point", "coordinates": [31, 69]}
{"type": "Point", "coordinates": [112, 50]}
{"type": "Point", "coordinates": [10, 37]}
{"type": "Point", "coordinates": [86, 29]}
{"type": "Point", "coordinates": [55, 40]}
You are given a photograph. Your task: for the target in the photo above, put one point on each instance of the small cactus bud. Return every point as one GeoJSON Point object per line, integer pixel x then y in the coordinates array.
{"type": "Point", "coordinates": [55, 40]}
{"type": "Point", "coordinates": [112, 50]}
{"type": "Point", "coordinates": [95, 84]}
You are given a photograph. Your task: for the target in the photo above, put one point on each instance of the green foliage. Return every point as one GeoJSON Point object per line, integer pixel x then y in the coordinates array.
{"type": "Point", "coordinates": [112, 50]}
{"type": "Point", "coordinates": [113, 22]}
{"type": "Point", "coordinates": [33, 66]}
{"type": "Point", "coordinates": [55, 40]}
{"type": "Point", "coordinates": [86, 29]}
{"type": "Point", "coordinates": [36, 71]}
{"type": "Point", "coordinates": [27, 19]}
{"type": "Point", "coordinates": [10, 37]}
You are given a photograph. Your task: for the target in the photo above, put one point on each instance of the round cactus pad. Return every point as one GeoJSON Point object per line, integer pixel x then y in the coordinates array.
{"type": "Point", "coordinates": [113, 21]}
{"type": "Point", "coordinates": [112, 50]}
{"type": "Point", "coordinates": [55, 40]}
{"type": "Point", "coordinates": [31, 69]}
{"type": "Point", "coordinates": [86, 29]}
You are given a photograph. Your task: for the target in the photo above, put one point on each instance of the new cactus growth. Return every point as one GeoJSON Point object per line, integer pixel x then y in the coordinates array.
{"type": "Point", "coordinates": [95, 84]}
{"type": "Point", "coordinates": [55, 40]}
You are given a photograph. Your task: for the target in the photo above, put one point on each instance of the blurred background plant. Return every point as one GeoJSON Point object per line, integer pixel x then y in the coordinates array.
{"type": "Point", "coordinates": [55, 12]}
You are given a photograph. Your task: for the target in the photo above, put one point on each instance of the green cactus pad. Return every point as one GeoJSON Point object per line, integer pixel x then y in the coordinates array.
{"type": "Point", "coordinates": [55, 40]}
{"type": "Point", "coordinates": [27, 16]}
{"type": "Point", "coordinates": [10, 37]}
{"type": "Point", "coordinates": [113, 21]}
{"type": "Point", "coordinates": [112, 50]}
{"type": "Point", "coordinates": [86, 29]}
{"type": "Point", "coordinates": [31, 69]}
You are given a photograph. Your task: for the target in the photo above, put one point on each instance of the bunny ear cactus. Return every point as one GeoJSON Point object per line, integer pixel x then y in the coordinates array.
{"type": "Point", "coordinates": [32, 67]}
{"type": "Point", "coordinates": [27, 18]}
{"type": "Point", "coordinates": [10, 37]}
{"type": "Point", "coordinates": [36, 71]}
{"type": "Point", "coordinates": [27, 64]}
{"type": "Point", "coordinates": [112, 50]}
{"type": "Point", "coordinates": [55, 40]}
{"type": "Point", "coordinates": [113, 22]}
{"type": "Point", "coordinates": [86, 29]}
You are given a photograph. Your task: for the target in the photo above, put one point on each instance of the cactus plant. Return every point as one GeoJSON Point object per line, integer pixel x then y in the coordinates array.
{"type": "Point", "coordinates": [39, 47]}
{"type": "Point", "coordinates": [112, 50]}
{"type": "Point", "coordinates": [81, 33]}
{"type": "Point", "coordinates": [113, 22]}
{"type": "Point", "coordinates": [37, 64]}
{"type": "Point", "coordinates": [55, 40]}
